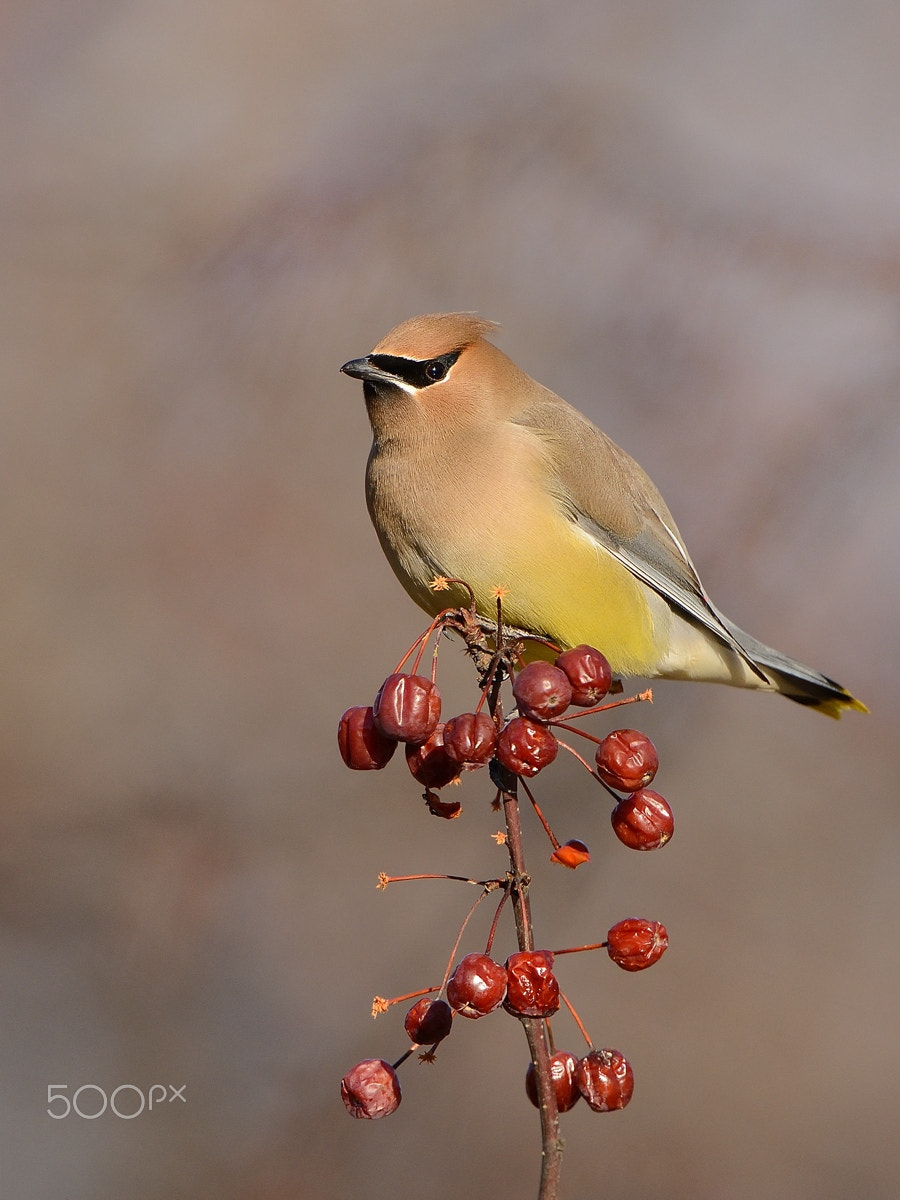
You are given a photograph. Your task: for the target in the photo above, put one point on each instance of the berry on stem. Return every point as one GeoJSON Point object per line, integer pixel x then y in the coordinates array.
{"type": "Point", "coordinates": [477, 986]}
{"type": "Point", "coordinates": [526, 747]}
{"type": "Point", "coordinates": [362, 745]}
{"type": "Point", "coordinates": [407, 707]}
{"type": "Point", "coordinates": [470, 738]}
{"type": "Point", "coordinates": [371, 1089]}
{"type": "Point", "coordinates": [562, 1071]}
{"type": "Point", "coordinates": [531, 990]}
{"type": "Point", "coordinates": [605, 1079]}
{"type": "Point", "coordinates": [542, 691]}
{"type": "Point", "coordinates": [643, 820]}
{"type": "Point", "coordinates": [589, 674]}
{"type": "Point", "coordinates": [627, 760]}
{"type": "Point", "coordinates": [428, 1021]}
{"type": "Point", "coordinates": [635, 944]}
{"type": "Point", "coordinates": [429, 761]}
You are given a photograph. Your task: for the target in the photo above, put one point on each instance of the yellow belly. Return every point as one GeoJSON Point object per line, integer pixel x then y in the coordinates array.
{"type": "Point", "coordinates": [557, 582]}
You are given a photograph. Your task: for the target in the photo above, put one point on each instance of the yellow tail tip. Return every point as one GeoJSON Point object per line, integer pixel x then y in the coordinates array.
{"type": "Point", "coordinates": [836, 706]}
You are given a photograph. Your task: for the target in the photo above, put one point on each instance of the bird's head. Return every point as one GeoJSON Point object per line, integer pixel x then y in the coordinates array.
{"type": "Point", "coordinates": [434, 371]}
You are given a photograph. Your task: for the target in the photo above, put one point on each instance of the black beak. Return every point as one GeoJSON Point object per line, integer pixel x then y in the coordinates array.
{"type": "Point", "coordinates": [365, 369]}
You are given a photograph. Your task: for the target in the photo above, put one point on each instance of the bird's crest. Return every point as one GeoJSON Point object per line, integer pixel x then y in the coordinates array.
{"type": "Point", "coordinates": [427, 336]}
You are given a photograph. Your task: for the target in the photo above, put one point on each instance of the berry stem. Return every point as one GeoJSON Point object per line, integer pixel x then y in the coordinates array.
{"type": "Point", "coordinates": [403, 1057]}
{"type": "Point", "coordinates": [577, 1019]}
{"type": "Point", "coordinates": [490, 675]}
{"type": "Point", "coordinates": [434, 656]}
{"type": "Point", "coordinates": [578, 949]}
{"type": "Point", "coordinates": [487, 884]}
{"type": "Point", "coordinates": [589, 712]}
{"type": "Point", "coordinates": [493, 930]}
{"type": "Point", "coordinates": [486, 891]}
{"type": "Point", "coordinates": [411, 995]}
{"type": "Point", "coordinates": [416, 646]}
{"type": "Point", "coordinates": [574, 729]}
{"type": "Point", "coordinates": [554, 841]}
{"type": "Point", "coordinates": [587, 766]}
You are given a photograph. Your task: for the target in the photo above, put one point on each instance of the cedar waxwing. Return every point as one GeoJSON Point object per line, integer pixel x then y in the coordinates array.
{"type": "Point", "coordinates": [478, 472]}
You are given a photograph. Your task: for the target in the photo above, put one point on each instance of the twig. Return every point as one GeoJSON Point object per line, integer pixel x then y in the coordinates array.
{"type": "Point", "coordinates": [535, 1029]}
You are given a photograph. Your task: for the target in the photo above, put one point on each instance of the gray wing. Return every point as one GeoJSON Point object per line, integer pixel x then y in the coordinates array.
{"type": "Point", "coordinates": [604, 491]}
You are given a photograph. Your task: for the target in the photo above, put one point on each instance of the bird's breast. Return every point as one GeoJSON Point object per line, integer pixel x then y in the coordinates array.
{"type": "Point", "coordinates": [487, 514]}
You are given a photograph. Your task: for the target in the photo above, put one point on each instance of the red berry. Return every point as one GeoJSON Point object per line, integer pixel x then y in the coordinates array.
{"type": "Point", "coordinates": [470, 738]}
{"type": "Point", "coordinates": [531, 990]}
{"type": "Point", "coordinates": [428, 1021]}
{"type": "Point", "coordinates": [363, 747]}
{"type": "Point", "coordinates": [571, 854]}
{"type": "Point", "coordinates": [430, 763]}
{"type": "Point", "coordinates": [643, 820]}
{"type": "Point", "coordinates": [635, 944]}
{"type": "Point", "coordinates": [627, 760]}
{"type": "Point", "coordinates": [371, 1089]}
{"type": "Point", "coordinates": [562, 1071]}
{"type": "Point", "coordinates": [542, 691]}
{"type": "Point", "coordinates": [525, 747]}
{"type": "Point", "coordinates": [589, 674]}
{"type": "Point", "coordinates": [407, 707]}
{"type": "Point", "coordinates": [477, 986]}
{"type": "Point", "coordinates": [605, 1079]}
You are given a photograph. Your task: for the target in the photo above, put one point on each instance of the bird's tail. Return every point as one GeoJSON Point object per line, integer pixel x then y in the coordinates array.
{"type": "Point", "coordinates": [792, 678]}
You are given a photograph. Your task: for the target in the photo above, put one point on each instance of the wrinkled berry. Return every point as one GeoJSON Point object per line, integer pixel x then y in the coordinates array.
{"type": "Point", "coordinates": [362, 745]}
{"type": "Point", "coordinates": [470, 738]}
{"type": "Point", "coordinates": [589, 674]}
{"type": "Point", "coordinates": [477, 986]}
{"type": "Point", "coordinates": [428, 1021]}
{"type": "Point", "coordinates": [627, 760]}
{"type": "Point", "coordinates": [635, 944]}
{"type": "Point", "coordinates": [643, 820]}
{"type": "Point", "coordinates": [542, 691]}
{"type": "Point", "coordinates": [605, 1079]}
{"type": "Point", "coordinates": [429, 761]}
{"type": "Point", "coordinates": [531, 989]}
{"type": "Point", "coordinates": [371, 1089]}
{"type": "Point", "coordinates": [407, 707]}
{"type": "Point", "coordinates": [525, 747]}
{"type": "Point", "coordinates": [562, 1071]}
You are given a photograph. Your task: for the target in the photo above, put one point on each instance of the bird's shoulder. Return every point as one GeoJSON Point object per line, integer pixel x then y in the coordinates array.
{"type": "Point", "coordinates": [611, 498]}
{"type": "Point", "coordinates": [594, 476]}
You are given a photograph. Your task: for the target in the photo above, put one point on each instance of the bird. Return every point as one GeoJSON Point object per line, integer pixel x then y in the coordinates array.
{"type": "Point", "coordinates": [477, 472]}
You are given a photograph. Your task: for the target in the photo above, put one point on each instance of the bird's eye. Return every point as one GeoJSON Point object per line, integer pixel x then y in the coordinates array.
{"type": "Point", "coordinates": [436, 370]}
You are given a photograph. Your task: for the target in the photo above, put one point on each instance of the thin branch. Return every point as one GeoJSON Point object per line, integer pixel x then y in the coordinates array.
{"type": "Point", "coordinates": [536, 1032]}
{"type": "Point", "coordinates": [535, 1029]}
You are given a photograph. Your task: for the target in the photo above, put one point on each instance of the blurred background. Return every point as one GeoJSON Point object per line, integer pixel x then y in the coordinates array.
{"type": "Point", "coordinates": [687, 219]}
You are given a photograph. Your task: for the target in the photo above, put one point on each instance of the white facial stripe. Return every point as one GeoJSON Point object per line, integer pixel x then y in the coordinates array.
{"type": "Point", "coordinates": [402, 385]}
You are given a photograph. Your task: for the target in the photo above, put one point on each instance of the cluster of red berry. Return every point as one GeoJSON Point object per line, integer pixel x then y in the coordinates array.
{"type": "Point", "coordinates": [525, 986]}
{"type": "Point", "coordinates": [407, 709]}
